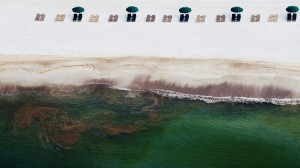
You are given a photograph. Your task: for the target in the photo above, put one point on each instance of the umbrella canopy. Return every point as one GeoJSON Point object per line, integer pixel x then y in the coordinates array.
{"type": "Point", "coordinates": [185, 10]}
{"type": "Point", "coordinates": [292, 9]}
{"type": "Point", "coordinates": [132, 9]}
{"type": "Point", "coordinates": [78, 9]}
{"type": "Point", "coordinates": [237, 9]}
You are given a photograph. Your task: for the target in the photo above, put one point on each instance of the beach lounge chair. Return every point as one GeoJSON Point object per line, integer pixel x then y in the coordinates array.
{"type": "Point", "coordinates": [79, 17]}
{"type": "Point", "coordinates": [238, 18]}
{"type": "Point", "coordinates": [223, 18]}
{"type": "Point", "coordinates": [60, 18]}
{"type": "Point", "coordinates": [273, 18]}
{"type": "Point", "coordinates": [200, 18]}
{"type": "Point", "coordinates": [167, 18]}
{"type": "Point", "coordinates": [150, 18]}
{"type": "Point", "coordinates": [40, 17]}
{"type": "Point", "coordinates": [294, 17]}
{"type": "Point", "coordinates": [94, 18]}
{"type": "Point", "coordinates": [255, 18]}
{"type": "Point", "coordinates": [116, 18]}
{"type": "Point", "coordinates": [113, 18]}
{"type": "Point", "coordinates": [37, 17]}
{"type": "Point", "coordinates": [153, 18]}
{"type": "Point", "coordinates": [129, 17]}
{"type": "Point", "coordinates": [289, 17]}
{"type": "Point", "coordinates": [220, 18]}
{"type": "Point", "coordinates": [181, 18]}
{"type": "Point", "coordinates": [133, 18]}
{"type": "Point", "coordinates": [75, 17]}
{"type": "Point", "coordinates": [233, 17]}
{"type": "Point", "coordinates": [186, 18]}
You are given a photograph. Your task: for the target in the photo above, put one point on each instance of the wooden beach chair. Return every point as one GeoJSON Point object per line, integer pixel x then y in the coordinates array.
{"type": "Point", "coordinates": [40, 17]}
{"type": "Point", "coordinates": [94, 18]}
{"type": "Point", "coordinates": [60, 17]}
{"type": "Point", "coordinates": [273, 18]}
{"type": "Point", "coordinates": [233, 17]}
{"type": "Point", "coordinates": [255, 18]}
{"type": "Point", "coordinates": [289, 17]}
{"type": "Point", "coordinates": [294, 17]}
{"type": "Point", "coordinates": [113, 18]}
{"type": "Point", "coordinates": [75, 16]}
{"type": "Point", "coordinates": [128, 17]}
{"type": "Point", "coordinates": [181, 19]}
{"type": "Point", "coordinates": [200, 18]}
{"type": "Point", "coordinates": [220, 18]}
{"type": "Point", "coordinates": [79, 17]}
{"type": "Point", "coordinates": [150, 18]}
{"type": "Point", "coordinates": [238, 17]}
{"type": "Point", "coordinates": [133, 18]}
{"type": "Point", "coordinates": [167, 18]}
{"type": "Point", "coordinates": [186, 18]}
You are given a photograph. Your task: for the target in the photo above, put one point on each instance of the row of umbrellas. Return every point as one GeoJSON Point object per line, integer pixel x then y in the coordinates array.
{"type": "Point", "coordinates": [133, 9]}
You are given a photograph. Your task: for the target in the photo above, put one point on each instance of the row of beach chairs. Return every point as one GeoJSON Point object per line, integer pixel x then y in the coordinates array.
{"type": "Point", "coordinates": [166, 18]}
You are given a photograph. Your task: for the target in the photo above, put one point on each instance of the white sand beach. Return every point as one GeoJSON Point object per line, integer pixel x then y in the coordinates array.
{"type": "Point", "coordinates": [218, 59]}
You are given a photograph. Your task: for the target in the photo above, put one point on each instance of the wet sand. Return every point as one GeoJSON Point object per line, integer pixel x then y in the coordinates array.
{"type": "Point", "coordinates": [210, 77]}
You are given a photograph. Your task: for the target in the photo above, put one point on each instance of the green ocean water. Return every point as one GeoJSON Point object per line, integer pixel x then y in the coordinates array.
{"type": "Point", "coordinates": [182, 134]}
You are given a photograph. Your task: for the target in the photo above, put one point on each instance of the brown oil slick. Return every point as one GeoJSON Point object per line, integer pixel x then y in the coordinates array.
{"type": "Point", "coordinates": [57, 128]}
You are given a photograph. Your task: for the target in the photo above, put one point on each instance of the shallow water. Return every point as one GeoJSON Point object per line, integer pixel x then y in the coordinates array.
{"type": "Point", "coordinates": [148, 131]}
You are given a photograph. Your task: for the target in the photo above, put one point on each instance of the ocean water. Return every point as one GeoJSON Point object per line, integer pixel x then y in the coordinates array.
{"type": "Point", "coordinates": [111, 128]}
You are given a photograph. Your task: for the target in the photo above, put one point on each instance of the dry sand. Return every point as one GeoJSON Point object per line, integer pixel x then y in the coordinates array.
{"type": "Point", "coordinates": [212, 77]}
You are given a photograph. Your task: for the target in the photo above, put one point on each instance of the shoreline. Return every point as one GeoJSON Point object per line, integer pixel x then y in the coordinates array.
{"type": "Point", "coordinates": [212, 100]}
{"type": "Point", "coordinates": [208, 77]}
{"type": "Point", "coordinates": [163, 93]}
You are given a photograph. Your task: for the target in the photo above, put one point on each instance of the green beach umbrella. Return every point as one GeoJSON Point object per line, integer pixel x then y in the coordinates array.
{"type": "Point", "coordinates": [78, 9]}
{"type": "Point", "coordinates": [237, 9]}
{"type": "Point", "coordinates": [132, 9]}
{"type": "Point", "coordinates": [185, 10]}
{"type": "Point", "coordinates": [292, 9]}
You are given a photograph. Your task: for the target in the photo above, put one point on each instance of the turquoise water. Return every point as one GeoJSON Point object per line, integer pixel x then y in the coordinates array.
{"type": "Point", "coordinates": [175, 133]}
